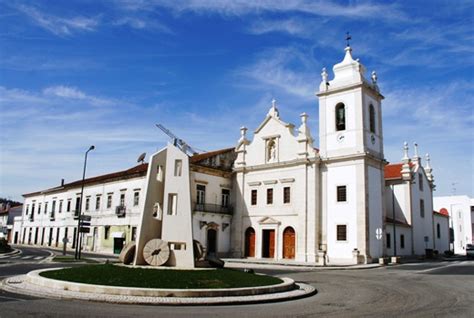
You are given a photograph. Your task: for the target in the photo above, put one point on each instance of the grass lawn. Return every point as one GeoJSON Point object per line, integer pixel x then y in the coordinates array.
{"type": "Point", "coordinates": [108, 274]}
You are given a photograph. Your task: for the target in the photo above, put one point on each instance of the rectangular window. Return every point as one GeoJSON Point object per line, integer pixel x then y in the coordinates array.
{"type": "Point", "coordinates": [253, 198]}
{"type": "Point", "coordinates": [53, 207]}
{"type": "Point", "coordinates": [341, 194]}
{"type": "Point", "coordinates": [159, 174]}
{"type": "Point", "coordinates": [27, 209]}
{"type": "Point", "coordinates": [39, 208]}
{"type": "Point", "coordinates": [134, 233]}
{"type": "Point", "coordinates": [172, 204]}
{"type": "Point", "coordinates": [46, 208]}
{"type": "Point", "coordinates": [122, 199]}
{"type": "Point", "coordinates": [88, 201]}
{"type": "Point", "coordinates": [420, 181]}
{"type": "Point", "coordinates": [136, 198]}
{"type": "Point", "coordinates": [78, 204]}
{"type": "Point", "coordinates": [200, 194]}
{"type": "Point", "coordinates": [389, 241]}
{"type": "Point", "coordinates": [106, 232]}
{"type": "Point", "coordinates": [402, 241]}
{"type": "Point", "coordinates": [60, 206]}
{"type": "Point", "coordinates": [68, 208]}
{"type": "Point", "coordinates": [286, 195]}
{"type": "Point", "coordinates": [269, 196]}
{"type": "Point", "coordinates": [32, 209]}
{"type": "Point", "coordinates": [438, 231]}
{"type": "Point", "coordinates": [422, 208]}
{"type": "Point", "coordinates": [109, 201]}
{"type": "Point", "coordinates": [97, 203]}
{"type": "Point", "coordinates": [225, 197]}
{"type": "Point", "coordinates": [178, 167]}
{"type": "Point", "coordinates": [342, 232]}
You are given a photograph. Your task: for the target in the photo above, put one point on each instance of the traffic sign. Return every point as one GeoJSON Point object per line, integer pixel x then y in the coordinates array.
{"type": "Point", "coordinates": [85, 230]}
{"type": "Point", "coordinates": [85, 217]}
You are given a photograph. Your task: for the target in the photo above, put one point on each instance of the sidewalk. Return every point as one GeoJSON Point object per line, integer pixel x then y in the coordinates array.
{"type": "Point", "coordinates": [288, 264]}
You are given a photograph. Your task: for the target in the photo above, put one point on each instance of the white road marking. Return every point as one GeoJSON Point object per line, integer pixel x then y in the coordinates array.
{"type": "Point", "coordinates": [38, 257]}
{"type": "Point", "coordinates": [439, 267]}
{"type": "Point", "coordinates": [15, 257]}
{"type": "Point", "coordinates": [27, 257]}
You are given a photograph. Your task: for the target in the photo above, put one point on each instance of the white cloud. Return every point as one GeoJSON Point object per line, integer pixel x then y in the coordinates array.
{"type": "Point", "coordinates": [64, 91]}
{"type": "Point", "coordinates": [290, 26]}
{"type": "Point", "coordinates": [141, 23]}
{"type": "Point", "coordinates": [243, 7]}
{"type": "Point", "coordinates": [59, 25]}
{"type": "Point", "coordinates": [284, 69]}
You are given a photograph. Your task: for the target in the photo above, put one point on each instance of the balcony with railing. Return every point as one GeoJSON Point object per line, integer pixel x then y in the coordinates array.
{"type": "Point", "coordinates": [120, 211]}
{"type": "Point", "coordinates": [52, 216]}
{"type": "Point", "coordinates": [213, 208]}
{"type": "Point", "coordinates": [31, 217]}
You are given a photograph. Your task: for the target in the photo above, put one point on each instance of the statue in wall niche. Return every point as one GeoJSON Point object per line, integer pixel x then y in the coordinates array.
{"type": "Point", "coordinates": [271, 152]}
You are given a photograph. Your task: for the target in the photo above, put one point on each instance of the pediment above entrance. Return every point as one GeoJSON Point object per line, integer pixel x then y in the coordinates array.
{"type": "Point", "coordinates": [269, 220]}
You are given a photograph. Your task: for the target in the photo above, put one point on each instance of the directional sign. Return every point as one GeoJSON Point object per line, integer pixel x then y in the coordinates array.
{"type": "Point", "coordinates": [85, 224]}
{"type": "Point", "coordinates": [85, 217]}
{"type": "Point", "coordinates": [85, 230]}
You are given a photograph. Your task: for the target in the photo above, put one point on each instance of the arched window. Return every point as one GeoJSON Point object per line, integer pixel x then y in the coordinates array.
{"type": "Point", "coordinates": [372, 118]}
{"type": "Point", "coordinates": [340, 117]}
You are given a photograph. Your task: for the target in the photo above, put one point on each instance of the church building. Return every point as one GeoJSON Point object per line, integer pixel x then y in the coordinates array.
{"type": "Point", "coordinates": [275, 195]}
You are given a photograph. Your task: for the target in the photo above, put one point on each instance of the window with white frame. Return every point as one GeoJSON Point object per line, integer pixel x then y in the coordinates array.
{"type": "Point", "coordinates": [420, 181]}
{"type": "Point", "coordinates": [225, 197]}
{"type": "Point", "coordinates": [88, 201]}
{"type": "Point", "coordinates": [136, 198]}
{"type": "Point", "coordinates": [97, 203]}
{"type": "Point", "coordinates": [178, 167]}
{"type": "Point", "coordinates": [200, 194]}
{"type": "Point", "coordinates": [109, 200]}
{"type": "Point", "coordinates": [60, 210]}
{"type": "Point", "coordinates": [341, 234]}
{"type": "Point", "coordinates": [68, 207]}
{"type": "Point", "coordinates": [341, 194]}
{"type": "Point", "coordinates": [122, 199]}
{"type": "Point", "coordinates": [286, 195]}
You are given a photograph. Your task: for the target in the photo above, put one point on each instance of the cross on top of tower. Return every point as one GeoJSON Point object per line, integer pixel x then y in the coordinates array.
{"type": "Point", "coordinates": [348, 38]}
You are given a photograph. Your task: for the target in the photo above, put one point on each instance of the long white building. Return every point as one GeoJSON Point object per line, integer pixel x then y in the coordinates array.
{"type": "Point", "coordinates": [274, 195]}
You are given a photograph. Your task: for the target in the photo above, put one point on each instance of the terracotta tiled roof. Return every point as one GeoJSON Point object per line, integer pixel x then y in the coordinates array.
{"type": "Point", "coordinates": [206, 155]}
{"type": "Point", "coordinates": [394, 171]}
{"type": "Point", "coordinates": [139, 170]}
{"type": "Point", "coordinates": [397, 222]}
{"type": "Point", "coordinates": [442, 212]}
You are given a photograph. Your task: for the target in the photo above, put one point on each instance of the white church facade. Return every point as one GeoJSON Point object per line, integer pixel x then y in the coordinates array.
{"type": "Point", "coordinates": [275, 195]}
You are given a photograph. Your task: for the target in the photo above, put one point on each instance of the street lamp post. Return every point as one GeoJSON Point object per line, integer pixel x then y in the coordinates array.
{"type": "Point", "coordinates": [77, 254]}
{"type": "Point", "coordinates": [393, 222]}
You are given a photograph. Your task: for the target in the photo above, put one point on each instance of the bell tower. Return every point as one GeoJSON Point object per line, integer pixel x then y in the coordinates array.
{"type": "Point", "coordinates": [352, 163]}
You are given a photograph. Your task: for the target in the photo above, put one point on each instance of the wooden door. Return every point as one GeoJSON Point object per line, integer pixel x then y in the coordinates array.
{"type": "Point", "coordinates": [271, 243]}
{"type": "Point", "coordinates": [211, 241]}
{"type": "Point", "coordinates": [250, 242]}
{"type": "Point", "coordinates": [289, 243]}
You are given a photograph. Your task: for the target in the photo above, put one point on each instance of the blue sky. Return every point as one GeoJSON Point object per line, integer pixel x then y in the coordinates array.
{"type": "Point", "coordinates": [76, 73]}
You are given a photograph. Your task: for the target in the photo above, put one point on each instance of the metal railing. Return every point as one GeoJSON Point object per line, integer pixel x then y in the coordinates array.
{"type": "Point", "coordinates": [120, 210]}
{"type": "Point", "coordinates": [51, 216]}
{"type": "Point", "coordinates": [213, 208]}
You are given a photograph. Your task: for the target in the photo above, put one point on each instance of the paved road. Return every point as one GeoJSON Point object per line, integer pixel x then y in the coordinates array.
{"type": "Point", "coordinates": [442, 289]}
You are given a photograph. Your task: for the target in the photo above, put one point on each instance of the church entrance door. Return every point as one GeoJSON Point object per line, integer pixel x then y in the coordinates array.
{"type": "Point", "coordinates": [289, 243]}
{"type": "Point", "coordinates": [250, 242]}
{"type": "Point", "coordinates": [268, 243]}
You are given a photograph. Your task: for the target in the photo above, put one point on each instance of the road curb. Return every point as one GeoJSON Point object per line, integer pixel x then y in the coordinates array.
{"type": "Point", "coordinates": [13, 252]}
{"type": "Point", "coordinates": [22, 285]}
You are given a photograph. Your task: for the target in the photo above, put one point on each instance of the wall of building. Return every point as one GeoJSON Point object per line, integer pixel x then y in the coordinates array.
{"type": "Point", "coordinates": [441, 222]}
{"type": "Point", "coordinates": [402, 250]}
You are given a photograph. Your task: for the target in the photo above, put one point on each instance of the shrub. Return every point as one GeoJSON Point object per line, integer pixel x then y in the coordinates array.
{"type": "Point", "coordinates": [4, 247]}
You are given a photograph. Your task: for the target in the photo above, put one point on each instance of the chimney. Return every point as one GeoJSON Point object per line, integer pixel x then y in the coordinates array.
{"type": "Point", "coordinates": [62, 182]}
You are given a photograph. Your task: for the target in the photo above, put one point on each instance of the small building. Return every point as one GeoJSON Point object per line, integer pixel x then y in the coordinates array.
{"type": "Point", "coordinates": [460, 209]}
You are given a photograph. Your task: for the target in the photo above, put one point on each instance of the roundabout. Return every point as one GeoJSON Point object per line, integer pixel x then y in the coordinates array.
{"type": "Point", "coordinates": [252, 288]}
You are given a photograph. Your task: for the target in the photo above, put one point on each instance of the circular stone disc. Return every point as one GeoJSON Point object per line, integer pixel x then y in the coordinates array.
{"type": "Point", "coordinates": [156, 252]}
{"type": "Point", "coordinates": [128, 253]}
